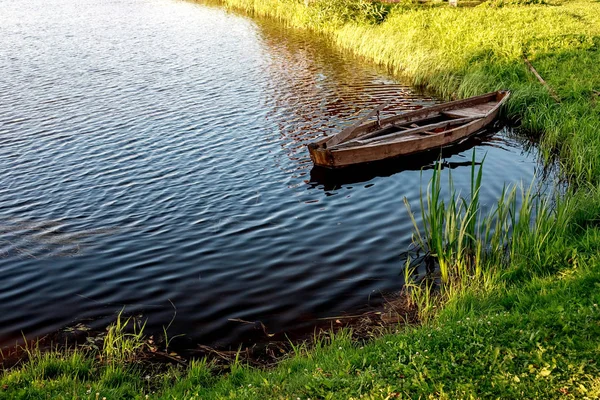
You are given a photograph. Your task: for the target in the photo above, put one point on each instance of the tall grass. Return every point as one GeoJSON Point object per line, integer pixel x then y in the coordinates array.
{"type": "Point", "coordinates": [474, 251]}
{"type": "Point", "coordinates": [123, 342]}
{"type": "Point", "coordinates": [460, 52]}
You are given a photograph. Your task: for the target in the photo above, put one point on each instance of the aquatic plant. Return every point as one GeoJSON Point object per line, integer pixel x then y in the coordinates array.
{"type": "Point", "coordinates": [471, 250]}
{"type": "Point", "coordinates": [122, 342]}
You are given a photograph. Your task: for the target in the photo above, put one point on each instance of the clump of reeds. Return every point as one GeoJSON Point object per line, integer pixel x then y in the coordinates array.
{"type": "Point", "coordinates": [123, 343]}
{"type": "Point", "coordinates": [470, 249]}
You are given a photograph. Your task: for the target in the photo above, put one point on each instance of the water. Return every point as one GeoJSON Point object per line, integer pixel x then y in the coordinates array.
{"type": "Point", "coordinates": [153, 156]}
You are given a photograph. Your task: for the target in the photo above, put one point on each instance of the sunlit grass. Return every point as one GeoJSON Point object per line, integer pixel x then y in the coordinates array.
{"type": "Point", "coordinates": [528, 342]}
{"type": "Point", "coordinates": [123, 341]}
{"type": "Point", "coordinates": [520, 285]}
{"type": "Point", "coordinates": [473, 251]}
{"type": "Point", "coordinates": [461, 52]}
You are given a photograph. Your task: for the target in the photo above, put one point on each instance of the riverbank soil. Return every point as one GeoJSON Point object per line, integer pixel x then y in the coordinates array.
{"type": "Point", "coordinates": [531, 331]}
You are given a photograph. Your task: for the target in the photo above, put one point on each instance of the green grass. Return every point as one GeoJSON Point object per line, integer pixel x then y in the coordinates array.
{"type": "Point", "coordinates": [120, 345]}
{"type": "Point", "coordinates": [538, 340]}
{"type": "Point", "coordinates": [475, 252]}
{"type": "Point", "coordinates": [460, 52]}
{"type": "Point", "coordinates": [533, 333]}
{"type": "Point", "coordinates": [520, 317]}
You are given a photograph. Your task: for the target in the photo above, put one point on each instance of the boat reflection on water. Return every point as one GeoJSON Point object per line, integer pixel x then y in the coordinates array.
{"type": "Point", "coordinates": [332, 179]}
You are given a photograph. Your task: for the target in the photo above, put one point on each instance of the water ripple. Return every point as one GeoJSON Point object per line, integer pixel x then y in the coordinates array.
{"type": "Point", "coordinates": [153, 151]}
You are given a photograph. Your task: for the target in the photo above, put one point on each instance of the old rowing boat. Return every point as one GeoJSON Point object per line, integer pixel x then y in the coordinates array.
{"type": "Point", "coordinates": [407, 133]}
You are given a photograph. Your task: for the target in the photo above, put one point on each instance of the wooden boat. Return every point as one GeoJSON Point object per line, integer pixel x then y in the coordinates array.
{"type": "Point", "coordinates": [407, 133]}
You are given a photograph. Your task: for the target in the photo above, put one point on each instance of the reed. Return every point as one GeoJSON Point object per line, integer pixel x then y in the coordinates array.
{"type": "Point", "coordinates": [123, 341]}
{"type": "Point", "coordinates": [474, 251]}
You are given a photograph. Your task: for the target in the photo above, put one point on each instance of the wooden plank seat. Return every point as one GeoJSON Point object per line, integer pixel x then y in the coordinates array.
{"type": "Point", "coordinates": [375, 137]}
{"type": "Point", "coordinates": [466, 112]}
{"type": "Point", "coordinates": [478, 110]}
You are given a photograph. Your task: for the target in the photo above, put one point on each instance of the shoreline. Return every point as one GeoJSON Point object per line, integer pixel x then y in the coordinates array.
{"type": "Point", "coordinates": [430, 46]}
{"type": "Point", "coordinates": [530, 328]}
{"type": "Point", "coordinates": [263, 350]}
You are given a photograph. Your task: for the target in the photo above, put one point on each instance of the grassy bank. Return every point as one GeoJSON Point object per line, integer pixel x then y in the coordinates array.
{"type": "Point", "coordinates": [522, 315]}
{"type": "Point", "coordinates": [460, 52]}
{"type": "Point", "coordinates": [537, 341]}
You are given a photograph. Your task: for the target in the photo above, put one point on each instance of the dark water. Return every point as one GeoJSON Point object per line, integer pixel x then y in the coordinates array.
{"type": "Point", "coordinates": [153, 152]}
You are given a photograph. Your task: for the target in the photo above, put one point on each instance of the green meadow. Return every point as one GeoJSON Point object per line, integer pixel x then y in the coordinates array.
{"type": "Point", "coordinates": [514, 311]}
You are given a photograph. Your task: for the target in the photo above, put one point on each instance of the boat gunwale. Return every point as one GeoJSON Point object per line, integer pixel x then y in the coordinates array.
{"type": "Point", "coordinates": [331, 140]}
{"type": "Point", "coordinates": [323, 156]}
{"type": "Point", "coordinates": [425, 138]}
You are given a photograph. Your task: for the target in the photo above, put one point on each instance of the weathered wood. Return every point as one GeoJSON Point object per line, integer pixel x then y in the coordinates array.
{"type": "Point", "coordinates": [476, 111]}
{"type": "Point", "coordinates": [421, 114]}
{"type": "Point", "coordinates": [381, 151]}
{"type": "Point", "coordinates": [409, 116]}
{"type": "Point", "coordinates": [363, 145]}
{"type": "Point", "coordinates": [340, 137]}
{"type": "Point", "coordinates": [395, 122]}
{"type": "Point", "coordinates": [372, 138]}
{"type": "Point", "coordinates": [542, 81]}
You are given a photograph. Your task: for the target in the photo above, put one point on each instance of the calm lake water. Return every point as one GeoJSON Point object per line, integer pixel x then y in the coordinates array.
{"type": "Point", "coordinates": [153, 152]}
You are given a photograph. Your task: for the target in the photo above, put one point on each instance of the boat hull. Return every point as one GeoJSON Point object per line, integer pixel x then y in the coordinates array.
{"type": "Point", "coordinates": [338, 156]}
